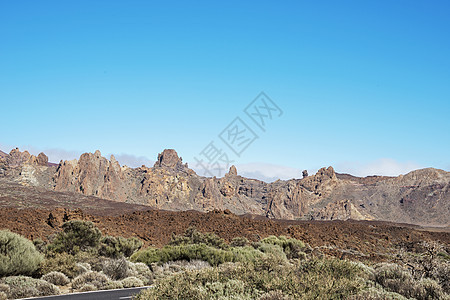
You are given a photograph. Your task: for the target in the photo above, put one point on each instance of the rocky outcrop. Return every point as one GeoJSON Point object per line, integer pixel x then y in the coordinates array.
{"type": "Point", "coordinates": [23, 166]}
{"type": "Point", "coordinates": [420, 197]}
{"type": "Point", "coordinates": [92, 175]}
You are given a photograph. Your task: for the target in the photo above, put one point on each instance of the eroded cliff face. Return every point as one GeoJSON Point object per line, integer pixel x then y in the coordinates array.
{"type": "Point", "coordinates": [420, 197]}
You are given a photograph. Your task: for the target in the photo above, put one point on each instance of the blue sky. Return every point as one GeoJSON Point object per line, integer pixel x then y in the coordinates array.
{"type": "Point", "coordinates": [363, 85]}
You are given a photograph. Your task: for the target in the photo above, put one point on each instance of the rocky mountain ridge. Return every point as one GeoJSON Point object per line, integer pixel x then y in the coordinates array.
{"type": "Point", "coordinates": [420, 197]}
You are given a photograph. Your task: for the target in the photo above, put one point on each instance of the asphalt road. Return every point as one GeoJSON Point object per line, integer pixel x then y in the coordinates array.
{"type": "Point", "coordinates": [122, 294]}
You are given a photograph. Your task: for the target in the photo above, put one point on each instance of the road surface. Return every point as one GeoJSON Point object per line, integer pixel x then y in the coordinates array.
{"type": "Point", "coordinates": [122, 294]}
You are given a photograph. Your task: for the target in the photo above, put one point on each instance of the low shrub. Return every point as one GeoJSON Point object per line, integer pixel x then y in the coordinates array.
{"type": "Point", "coordinates": [173, 267]}
{"type": "Point", "coordinates": [88, 288]}
{"type": "Point", "coordinates": [212, 255]}
{"type": "Point", "coordinates": [239, 242]}
{"type": "Point", "coordinates": [76, 236]}
{"type": "Point", "coordinates": [315, 279]}
{"type": "Point", "coordinates": [113, 285]}
{"type": "Point", "coordinates": [4, 288]}
{"type": "Point", "coordinates": [397, 279]}
{"type": "Point", "coordinates": [116, 268]}
{"type": "Point", "coordinates": [130, 282]}
{"type": "Point", "coordinates": [18, 255]}
{"type": "Point", "coordinates": [3, 296]}
{"type": "Point", "coordinates": [141, 271]}
{"type": "Point", "coordinates": [193, 236]}
{"type": "Point", "coordinates": [24, 287]}
{"type": "Point", "coordinates": [83, 267]}
{"type": "Point", "coordinates": [274, 295]}
{"type": "Point", "coordinates": [94, 278]}
{"type": "Point", "coordinates": [116, 247]}
{"type": "Point", "coordinates": [292, 248]}
{"type": "Point", "coordinates": [56, 278]}
{"type": "Point", "coordinates": [60, 262]}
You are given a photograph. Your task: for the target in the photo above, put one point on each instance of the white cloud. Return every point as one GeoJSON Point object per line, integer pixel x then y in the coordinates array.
{"type": "Point", "coordinates": [383, 166]}
{"type": "Point", "coordinates": [262, 171]}
{"type": "Point", "coordinates": [133, 161]}
{"type": "Point", "coordinates": [268, 172]}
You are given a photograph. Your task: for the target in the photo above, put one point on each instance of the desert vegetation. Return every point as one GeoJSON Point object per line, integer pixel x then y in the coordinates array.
{"type": "Point", "coordinates": [198, 265]}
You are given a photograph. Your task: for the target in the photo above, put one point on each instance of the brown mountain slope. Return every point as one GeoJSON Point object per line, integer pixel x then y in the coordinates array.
{"type": "Point", "coordinates": [420, 197]}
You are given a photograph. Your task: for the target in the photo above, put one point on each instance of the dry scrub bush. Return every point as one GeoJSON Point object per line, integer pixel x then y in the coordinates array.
{"type": "Point", "coordinates": [18, 256]}
{"type": "Point", "coordinates": [4, 288]}
{"type": "Point", "coordinates": [3, 296]}
{"type": "Point", "coordinates": [173, 267]}
{"type": "Point", "coordinates": [376, 293]}
{"type": "Point", "coordinates": [193, 236]}
{"type": "Point", "coordinates": [141, 271]}
{"type": "Point", "coordinates": [87, 288]}
{"type": "Point", "coordinates": [24, 287]}
{"type": "Point", "coordinates": [130, 282]}
{"type": "Point", "coordinates": [315, 279]}
{"type": "Point", "coordinates": [60, 262]}
{"type": "Point", "coordinates": [116, 247]}
{"type": "Point", "coordinates": [275, 295]}
{"type": "Point", "coordinates": [397, 279]}
{"type": "Point", "coordinates": [239, 242]}
{"type": "Point", "coordinates": [95, 278]}
{"type": "Point", "coordinates": [83, 267]}
{"type": "Point", "coordinates": [292, 248]}
{"type": "Point", "coordinates": [113, 285]}
{"type": "Point", "coordinates": [56, 278]}
{"type": "Point", "coordinates": [116, 268]}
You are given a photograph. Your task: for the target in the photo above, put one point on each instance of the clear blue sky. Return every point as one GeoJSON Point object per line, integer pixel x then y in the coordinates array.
{"type": "Point", "coordinates": [361, 83]}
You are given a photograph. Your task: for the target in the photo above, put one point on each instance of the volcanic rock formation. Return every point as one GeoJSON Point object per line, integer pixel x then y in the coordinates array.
{"type": "Point", "coordinates": [420, 197]}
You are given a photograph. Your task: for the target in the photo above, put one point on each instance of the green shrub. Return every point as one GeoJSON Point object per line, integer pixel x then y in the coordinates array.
{"type": "Point", "coordinates": [18, 256]}
{"type": "Point", "coordinates": [119, 246]}
{"type": "Point", "coordinates": [24, 287]}
{"type": "Point", "coordinates": [292, 247]}
{"type": "Point", "coordinates": [239, 242]}
{"type": "Point", "coordinates": [56, 278]}
{"type": "Point", "coordinates": [3, 296]}
{"type": "Point", "coordinates": [246, 254]}
{"type": "Point", "coordinates": [60, 262]}
{"type": "Point", "coordinates": [76, 236]}
{"type": "Point", "coordinates": [315, 279]}
{"type": "Point", "coordinates": [95, 278]}
{"type": "Point", "coordinates": [188, 252]}
{"type": "Point", "coordinates": [130, 282]}
{"type": "Point", "coordinates": [193, 236]}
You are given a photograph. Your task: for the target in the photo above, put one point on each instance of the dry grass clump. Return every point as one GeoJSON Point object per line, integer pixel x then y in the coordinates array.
{"type": "Point", "coordinates": [116, 269]}
{"type": "Point", "coordinates": [94, 278]}
{"type": "Point", "coordinates": [141, 271]}
{"type": "Point", "coordinates": [24, 287]}
{"type": "Point", "coordinates": [130, 282]}
{"type": "Point", "coordinates": [174, 267]}
{"type": "Point", "coordinates": [88, 288]}
{"type": "Point", "coordinates": [56, 278]}
{"type": "Point", "coordinates": [113, 285]}
{"type": "Point", "coordinates": [395, 278]}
